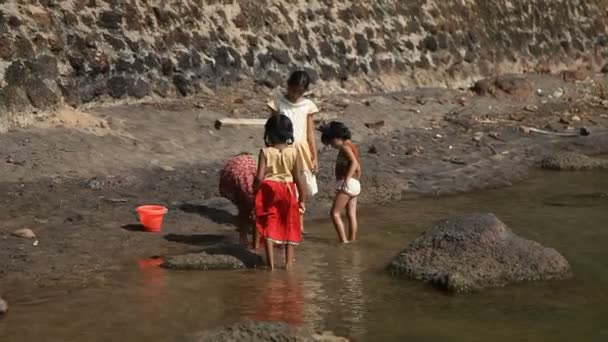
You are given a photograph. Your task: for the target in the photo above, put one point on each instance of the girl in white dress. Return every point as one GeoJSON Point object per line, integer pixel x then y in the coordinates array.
{"type": "Point", "coordinates": [301, 112]}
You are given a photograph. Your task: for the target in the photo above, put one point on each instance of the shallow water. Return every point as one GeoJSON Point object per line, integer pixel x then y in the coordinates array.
{"type": "Point", "coordinates": [346, 289]}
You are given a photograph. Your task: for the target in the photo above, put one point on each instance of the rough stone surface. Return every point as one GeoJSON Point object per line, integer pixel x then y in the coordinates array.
{"type": "Point", "coordinates": [363, 46]}
{"type": "Point", "coordinates": [568, 161]}
{"type": "Point", "coordinates": [507, 86]}
{"type": "Point", "coordinates": [263, 331]}
{"type": "Point", "coordinates": [219, 257]}
{"type": "Point", "coordinates": [477, 251]}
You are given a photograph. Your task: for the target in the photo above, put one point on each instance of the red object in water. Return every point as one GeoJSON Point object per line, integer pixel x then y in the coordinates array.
{"type": "Point", "coordinates": [151, 217]}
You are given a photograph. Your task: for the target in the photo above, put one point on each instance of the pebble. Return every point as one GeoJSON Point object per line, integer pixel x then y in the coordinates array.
{"type": "Point", "coordinates": [167, 168]}
{"type": "Point", "coordinates": [343, 103]}
{"type": "Point", "coordinates": [477, 136]}
{"type": "Point", "coordinates": [559, 93]}
{"type": "Point", "coordinates": [3, 307]}
{"type": "Point", "coordinates": [531, 108]}
{"type": "Point", "coordinates": [24, 233]}
{"type": "Point", "coordinates": [576, 118]}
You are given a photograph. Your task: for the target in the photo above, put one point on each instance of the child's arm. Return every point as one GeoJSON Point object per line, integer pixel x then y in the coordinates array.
{"type": "Point", "coordinates": [354, 164]}
{"type": "Point", "coordinates": [297, 177]}
{"type": "Point", "coordinates": [272, 107]}
{"type": "Point", "coordinates": [261, 172]}
{"type": "Point", "coordinates": [310, 138]}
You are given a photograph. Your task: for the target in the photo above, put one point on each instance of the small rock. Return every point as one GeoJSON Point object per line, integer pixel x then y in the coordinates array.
{"type": "Point", "coordinates": [3, 307]}
{"type": "Point", "coordinates": [94, 184]}
{"type": "Point", "coordinates": [477, 136]}
{"type": "Point", "coordinates": [235, 112]}
{"type": "Point", "coordinates": [576, 118]}
{"type": "Point", "coordinates": [167, 168]}
{"type": "Point", "coordinates": [558, 94]}
{"type": "Point", "coordinates": [372, 150]}
{"type": "Point", "coordinates": [207, 91]}
{"type": "Point", "coordinates": [605, 69]}
{"type": "Point", "coordinates": [564, 121]}
{"type": "Point", "coordinates": [531, 108]}
{"type": "Point", "coordinates": [585, 131]}
{"type": "Point", "coordinates": [24, 233]}
{"type": "Point", "coordinates": [239, 101]}
{"type": "Point", "coordinates": [343, 103]}
{"type": "Point", "coordinates": [375, 125]}
{"type": "Point", "coordinates": [494, 135]}
{"type": "Point", "coordinates": [438, 136]}
{"type": "Point", "coordinates": [216, 257]}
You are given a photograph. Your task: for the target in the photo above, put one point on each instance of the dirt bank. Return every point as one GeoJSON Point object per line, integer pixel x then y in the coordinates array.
{"type": "Point", "coordinates": [75, 180]}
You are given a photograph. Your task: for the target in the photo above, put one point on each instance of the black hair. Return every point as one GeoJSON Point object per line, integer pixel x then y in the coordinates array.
{"type": "Point", "coordinates": [299, 79]}
{"type": "Point", "coordinates": [278, 130]}
{"type": "Point", "coordinates": [334, 130]}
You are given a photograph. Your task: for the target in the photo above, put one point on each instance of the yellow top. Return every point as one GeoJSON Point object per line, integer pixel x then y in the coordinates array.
{"type": "Point", "coordinates": [280, 163]}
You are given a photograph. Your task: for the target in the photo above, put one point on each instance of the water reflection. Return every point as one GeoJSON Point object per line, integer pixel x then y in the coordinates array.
{"type": "Point", "coordinates": [280, 299]}
{"type": "Point", "coordinates": [153, 290]}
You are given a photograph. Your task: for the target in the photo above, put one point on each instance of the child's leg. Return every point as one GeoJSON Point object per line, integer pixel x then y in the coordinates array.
{"type": "Point", "coordinates": [351, 212]}
{"type": "Point", "coordinates": [243, 223]}
{"type": "Point", "coordinates": [269, 254]}
{"type": "Point", "coordinates": [289, 254]}
{"type": "Point", "coordinates": [255, 244]}
{"type": "Point", "coordinates": [340, 202]}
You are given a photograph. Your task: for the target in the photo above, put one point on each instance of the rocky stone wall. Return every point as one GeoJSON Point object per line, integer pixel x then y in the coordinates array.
{"type": "Point", "coordinates": [79, 51]}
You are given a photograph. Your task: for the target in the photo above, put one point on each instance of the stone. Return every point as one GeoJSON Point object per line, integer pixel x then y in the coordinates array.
{"type": "Point", "coordinates": [14, 99]}
{"type": "Point", "coordinates": [44, 67]}
{"type": "Point", "coordinates": [605, 69]}
{"type": "Point", "coordinates": [361, 44]}
{"type": "Point", "coordinates": [111, 20]}
{"type": "Point", "coordinates": [42, 95]}
{"type": "Point", "coordinates": [477, 251]}
{"type": "Point", "coordinates": [280, 55]}
{"type": "Point", "coordinates": [263, 331]}
{"type": "Point", "coordinates": [217, 257]}
{"type": "Point", "coordinates": [570, 161]}
{"type": "Point", "coordinates": [3, 307]}
{"type": "Point", "coordinates": [118, 87]}
{"type": "Point", "coordinates": [183, 84]}
{"type": "Point", "coordinates": [139, 88]}
{"type": "Point", "coordinates": [6, 48]}
{"type": "Point", "coordinates": [516, 87]}
{"type": "Point", "coordinates": [24, 233]}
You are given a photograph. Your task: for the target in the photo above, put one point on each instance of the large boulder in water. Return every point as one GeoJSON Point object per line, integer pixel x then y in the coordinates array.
{"type": "Point", "coordinates": [477, 251]}
{"type": "Point", "coordinates": [263, 331]}
{"type": "Point", "coordinates": [569, 161]}
{"type": "Point", "coordinates": [217, 257]}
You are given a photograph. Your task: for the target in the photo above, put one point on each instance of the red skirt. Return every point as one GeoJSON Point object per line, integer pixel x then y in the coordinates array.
{"type": "Point", "coordinates": [277, 214]}
{"type": "Point", "coordinates": [236, 182]}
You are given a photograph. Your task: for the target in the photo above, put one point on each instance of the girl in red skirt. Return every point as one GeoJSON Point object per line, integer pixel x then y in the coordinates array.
{"type": "Point", "coordinates": [277, 208]}
{"type": "Point", "coordinates": [236, 184]}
